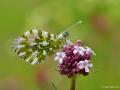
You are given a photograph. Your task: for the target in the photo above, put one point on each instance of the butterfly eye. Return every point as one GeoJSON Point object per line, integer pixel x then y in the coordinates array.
{"type": "Point", "coordinates": [35, 45]}
{"type": "Point", "coordinates": [66, 34]}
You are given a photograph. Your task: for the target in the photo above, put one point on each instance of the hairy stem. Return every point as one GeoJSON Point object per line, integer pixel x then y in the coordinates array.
{"type": "Point", "coordinates": [72, 87]}
{"type": "Point", "coordinates": [54, 86]}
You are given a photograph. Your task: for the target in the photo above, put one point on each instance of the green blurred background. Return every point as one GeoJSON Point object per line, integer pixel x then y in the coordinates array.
{"type": "Point", "coordinates": [100, 30]}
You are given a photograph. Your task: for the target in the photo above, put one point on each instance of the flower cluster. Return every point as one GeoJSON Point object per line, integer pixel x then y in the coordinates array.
{"type": "Point", "coordinates": [74, 59]}
{"type": "Point", "coordinates": [36, 45]}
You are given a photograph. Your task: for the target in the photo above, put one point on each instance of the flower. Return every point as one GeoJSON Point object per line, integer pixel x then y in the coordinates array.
{"type": "Point", "coordinates": [85, 65]}
{"type": "Point", "coordinates": [89, 51]}
{"type": "Point", "coordinates": [59, 57]}
{"type": "Point", "coordinates": [74, 59]}
{"type": "Point", "coordinates": [34, 46]}
{"type": "Point", "coordinates": [79, 49]}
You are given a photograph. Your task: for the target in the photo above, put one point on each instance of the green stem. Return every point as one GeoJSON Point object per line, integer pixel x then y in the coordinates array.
{"type": "Point", "coordinates": [73, 83]}
{"type": "Point", "coordinates": [54, 86]}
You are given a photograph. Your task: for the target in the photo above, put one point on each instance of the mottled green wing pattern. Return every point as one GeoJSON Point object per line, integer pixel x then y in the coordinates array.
{"type": "Point", "coordinates": [35, 45]}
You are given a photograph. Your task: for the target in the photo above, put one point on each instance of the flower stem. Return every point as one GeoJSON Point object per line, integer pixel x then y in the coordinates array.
{"type": "Point", "coordinates": [54, 86]}
{"type": "Point", "coordinates": [72, 87]}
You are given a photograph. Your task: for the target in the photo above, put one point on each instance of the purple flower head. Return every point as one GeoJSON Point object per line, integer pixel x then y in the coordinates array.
{"type": "Point", "coordinates": [74, 59]}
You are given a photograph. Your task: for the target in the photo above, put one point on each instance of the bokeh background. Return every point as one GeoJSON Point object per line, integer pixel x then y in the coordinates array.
{"type": "Point", "coordinates": [100, 30]}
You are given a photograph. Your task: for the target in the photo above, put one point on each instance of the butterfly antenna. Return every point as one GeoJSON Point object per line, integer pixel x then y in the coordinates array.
{"type": "Point", "coordinates": [74, 25]}
{"type": "Point", "coordinates": [70, 28]}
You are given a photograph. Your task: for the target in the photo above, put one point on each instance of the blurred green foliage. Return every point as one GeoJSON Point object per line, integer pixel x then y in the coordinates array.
{"type": "Point", "coordinates": [100, 30]}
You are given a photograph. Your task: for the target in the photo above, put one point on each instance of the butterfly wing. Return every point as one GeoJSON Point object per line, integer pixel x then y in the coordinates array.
{"type": "Point", "coordinates": [35, 45]}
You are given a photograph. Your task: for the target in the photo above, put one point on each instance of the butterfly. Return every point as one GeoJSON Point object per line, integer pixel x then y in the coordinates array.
{"type": "Point", "coordinates": [35, 45]}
